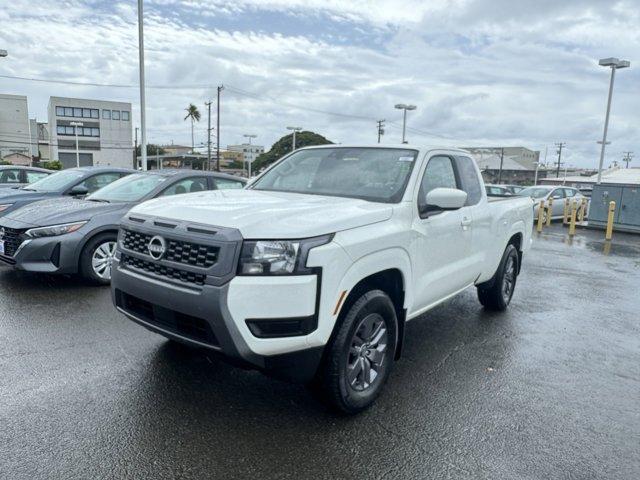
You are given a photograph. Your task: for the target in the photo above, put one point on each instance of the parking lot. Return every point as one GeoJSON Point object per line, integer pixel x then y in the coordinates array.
{"type": "Point", "coordinates": [549, 389]}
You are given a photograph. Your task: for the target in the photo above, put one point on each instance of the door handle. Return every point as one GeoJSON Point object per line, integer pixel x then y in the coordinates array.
{"type": "Point", "coordinates": [465, 223]}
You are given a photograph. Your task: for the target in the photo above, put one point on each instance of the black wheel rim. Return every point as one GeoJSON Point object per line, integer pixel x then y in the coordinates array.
{"type": "Point", "coordinates": [509, 279]}
{"type": "Point", "coordinates": [366, 361]}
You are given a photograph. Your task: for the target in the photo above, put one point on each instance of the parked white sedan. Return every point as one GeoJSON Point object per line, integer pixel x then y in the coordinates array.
{"type": "Point", "coordinates": [559, 195]}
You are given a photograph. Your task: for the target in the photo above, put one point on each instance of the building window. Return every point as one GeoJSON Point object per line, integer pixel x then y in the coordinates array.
{"type": "Point", "coordinates": [77, 112]}
{"type": "Point", "coordinates": [60, 111]}
{"type": "Point", "coordinates": [95, 132]}
{"type": "Point", "coordinates": [115, 114]}
{"type": "Point", "coordinates": [68, 112]}
{"type": "Point", "coordinates": [125, 116]}
{"type": "Point", "coordinates": [106, 114]}
{"type": "Point", "coordinates": [95, 113]}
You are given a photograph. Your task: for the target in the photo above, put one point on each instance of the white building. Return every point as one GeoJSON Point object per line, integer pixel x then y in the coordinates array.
{"type": "Point", "coordinates": [250, 152]}
{"type": "Point", "coordinates": [104, 138]}
{"type": "Point", "coordinates": [15, 132]}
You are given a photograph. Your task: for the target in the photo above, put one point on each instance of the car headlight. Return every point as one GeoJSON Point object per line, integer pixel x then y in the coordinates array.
{"type": "Point", "coordinates": [5, 206]}
{"type": "Point", "coordinates": [277, 257]}
{"type": "Point", "coordinates": [54, 230]}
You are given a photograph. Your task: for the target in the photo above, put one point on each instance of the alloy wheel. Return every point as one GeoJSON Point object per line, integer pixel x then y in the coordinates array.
{"type": "Point", "coordinates": [102, 259]}
{"type": "Point", "coordinates": [509, 279]}
{"type": "Point", "coordinates": [367, 352]}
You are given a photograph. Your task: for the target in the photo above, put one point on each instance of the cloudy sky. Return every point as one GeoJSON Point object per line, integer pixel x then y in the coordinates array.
{"type": "Point", "coordinates": [482, 72]}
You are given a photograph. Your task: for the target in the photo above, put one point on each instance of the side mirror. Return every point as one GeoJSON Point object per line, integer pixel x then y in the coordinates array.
{"type": "Point", "coordinates": [446, 198]}
{"type": "Point", "coordinates": [79, 191]}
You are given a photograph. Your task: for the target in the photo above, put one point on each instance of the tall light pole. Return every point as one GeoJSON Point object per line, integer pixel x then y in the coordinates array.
{"type": "Point", "coordinates": [249, 136]}
{"type": "Point", "coordinates": [293, 142]}
{"type": "Point", "coordinates": [614, 64]}
{"type": "Point", "coordinates": [404, 107]}
{"type": "Point", "coordinates": [143, 125]}
{"type": "Point", "coordinates": [535, 180]}
{"type": "Point", "coordinates": [208, 105]}
{"type": "Point", "coordinates": [75, 126]}
{"type": "Point", "coordinates": [220, 88]}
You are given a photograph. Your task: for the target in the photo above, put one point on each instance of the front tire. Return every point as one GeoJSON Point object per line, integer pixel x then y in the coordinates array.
{"type": "Point", "coordinates": [97, 257]}
{"type": "Point", "coordinates": [358, 361]}
{"type": "Point", "coordinates": [497, 293]}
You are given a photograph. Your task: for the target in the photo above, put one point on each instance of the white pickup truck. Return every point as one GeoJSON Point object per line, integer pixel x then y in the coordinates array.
{"type": "Point", "coordinates": [312, 272]}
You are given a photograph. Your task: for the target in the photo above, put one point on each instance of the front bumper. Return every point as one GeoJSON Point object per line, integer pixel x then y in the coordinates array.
{"type": "Point", "coordinates": [214, 317]}
{"type": "Point", "coordinates": [45, 255]}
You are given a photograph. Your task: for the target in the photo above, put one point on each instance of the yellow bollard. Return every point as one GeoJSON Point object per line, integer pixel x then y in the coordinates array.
{"type": "Point", "coordinates": [612, 209]}
{"type": "Point", "coordinates": [572, 220]}
{"type": "Point", "coordinates": [565, 212]}
{"type": "Point", "coordinates": [540, 214]}
{"type": "Point", "coordinates": [549, 212]}
{"type": "Point", "coordinates": [583, 210]}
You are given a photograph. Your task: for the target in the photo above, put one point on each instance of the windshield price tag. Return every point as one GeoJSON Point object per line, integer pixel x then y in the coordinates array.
{"type": "Point", "coordinates": [405, 159]}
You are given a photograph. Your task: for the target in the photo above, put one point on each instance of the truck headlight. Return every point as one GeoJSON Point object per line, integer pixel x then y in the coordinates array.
{"type": "Point", "coordinates": [3, 207]}
{"type": "Point", "coordinates": [54, 230]}
{"type": "Point", "coordinates": [277, 257]}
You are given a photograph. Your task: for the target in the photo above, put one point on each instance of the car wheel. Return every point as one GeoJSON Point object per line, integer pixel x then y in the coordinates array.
{"type": "Point", "coordinates": [358, 360]}
{"type": "Point", "coordinates": [497, 293]}
{"type": "Point", "coordinates": [97, 257]}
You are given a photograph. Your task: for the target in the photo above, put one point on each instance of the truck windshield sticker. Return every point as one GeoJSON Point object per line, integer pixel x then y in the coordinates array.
{"type": "Point", "coordinates": [405, 159]}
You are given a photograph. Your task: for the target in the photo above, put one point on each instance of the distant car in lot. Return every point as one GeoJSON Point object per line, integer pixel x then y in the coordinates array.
{"type": "Point", "coordinates": [498, 190]}
{"type": "Point", "coordinates": [514, 188]}
{"type": "Point", "coordinates": [558, 193]}
{"type": "Point", "coordinates": [79, 236]}
{"type": "Point", "coordinates": [73, 182]}
{"type": "Point", "coordinates": [12, 176]}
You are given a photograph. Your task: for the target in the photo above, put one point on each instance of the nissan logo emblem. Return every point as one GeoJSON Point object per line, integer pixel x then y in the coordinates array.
{"type": "Point", "coordinates": [157, 246]}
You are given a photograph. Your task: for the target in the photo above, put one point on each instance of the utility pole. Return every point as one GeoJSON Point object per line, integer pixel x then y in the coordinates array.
{"type": "Point", "coordinates": [560, 146]}
{"type": "Point", "coordinates": [220, 88]}
{"type": "Point", "coordinates": [380, 129]}
{"type": "Point", "coordinates": [135, 150]}
{"type": "Point", "coordinates": [208, 104]}
{"type": "Point", "coordinates": [143, 125]}
{"type": "Point", "coordinates": [627, 158]}
{"type": "Point", "coordinates": [501, 162]}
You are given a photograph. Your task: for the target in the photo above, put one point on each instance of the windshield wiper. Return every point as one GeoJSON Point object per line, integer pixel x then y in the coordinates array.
{"type": "Point", "coordinates": [101, 200]}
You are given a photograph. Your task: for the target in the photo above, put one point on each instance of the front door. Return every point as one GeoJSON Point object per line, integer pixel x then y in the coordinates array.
{"type": "Point", "coordinates": [442, 240]}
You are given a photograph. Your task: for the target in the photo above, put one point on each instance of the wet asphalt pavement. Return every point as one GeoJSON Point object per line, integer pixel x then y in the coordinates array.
{"type": "Point", "coordinates": [549, 389]}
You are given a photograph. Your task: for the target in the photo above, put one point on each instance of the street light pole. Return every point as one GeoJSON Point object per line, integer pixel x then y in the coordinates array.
{"type": "Point", "coordinates": [293, 143]}
{"type": "Point", "coordinates": [404, 107]}
{"type": "Point", "coordinates": [249, 136]}
{"type": "Point", "coordinates": [614, 64]}
{"type": "Point", "coordinates": [143, 125]}
{"type": "Point", "coordinates": [75, 126]}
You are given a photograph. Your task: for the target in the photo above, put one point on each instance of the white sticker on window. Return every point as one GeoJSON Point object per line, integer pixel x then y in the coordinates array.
{"type": "Point", "coordinates": [405, 159]}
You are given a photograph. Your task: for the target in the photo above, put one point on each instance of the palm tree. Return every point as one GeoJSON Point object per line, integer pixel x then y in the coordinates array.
{"type": "Point", "coordinates": [194, 114]}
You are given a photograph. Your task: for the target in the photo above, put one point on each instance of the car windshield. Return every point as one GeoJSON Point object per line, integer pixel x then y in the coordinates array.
{"type": "Point", "coordinates": [56, 181]}
{"type": "Point", "coordinates": [131, 188]}
{"type": "Point", "coordinates": [534, 192]}
{"type": "Point", "coordinates": [373, 174]}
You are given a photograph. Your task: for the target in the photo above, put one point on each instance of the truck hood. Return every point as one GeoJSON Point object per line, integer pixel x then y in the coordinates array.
{"type": "Point", "coordinates": [273, 215]}
{"type": "Point", "coordinates": [54, 211]}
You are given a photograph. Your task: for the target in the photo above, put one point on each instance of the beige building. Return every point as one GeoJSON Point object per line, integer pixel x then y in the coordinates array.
{"type": "Point", "coordinates": [15, 128]}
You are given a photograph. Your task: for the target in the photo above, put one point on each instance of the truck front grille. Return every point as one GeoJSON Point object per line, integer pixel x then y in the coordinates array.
{"type": "Point", "coordinates": [12, 240]}
{"type": "Point", "coordinates": [170, 273]}
{"type": "Point", "coordinates": [187, 253]}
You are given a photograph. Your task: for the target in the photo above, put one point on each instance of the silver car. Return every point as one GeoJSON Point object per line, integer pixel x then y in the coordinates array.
{"type": "Point", "coordinates": [559, 195]}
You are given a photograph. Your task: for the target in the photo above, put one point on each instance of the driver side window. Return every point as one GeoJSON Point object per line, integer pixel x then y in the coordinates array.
{"type": "Point", "coordinates": [438, 174]}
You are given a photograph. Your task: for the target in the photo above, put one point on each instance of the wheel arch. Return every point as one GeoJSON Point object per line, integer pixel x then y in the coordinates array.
{"type": "Point", "coordinates": [90, 236]}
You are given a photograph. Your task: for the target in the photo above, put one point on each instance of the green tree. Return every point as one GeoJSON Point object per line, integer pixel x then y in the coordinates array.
{"type": "Point", "coordinates": [283, 146]}
{"type": "Point", "coordinates": [52, 165]}
{"type": "Point", "coordinates": [151, 150]}
{"type": "Point", "coordinates": [194, 114]}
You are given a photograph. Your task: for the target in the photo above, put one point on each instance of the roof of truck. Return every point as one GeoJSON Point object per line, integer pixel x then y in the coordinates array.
{"type": "Point", "coordinates": [405, 146]}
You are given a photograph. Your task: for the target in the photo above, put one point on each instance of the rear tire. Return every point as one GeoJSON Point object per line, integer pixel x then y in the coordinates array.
{"type": "Point", "coordinates": [497, 293]}
{"type": "Point", "coordinates": [96, 258]}
{"type": "Point", "coordinates": [358, 360]}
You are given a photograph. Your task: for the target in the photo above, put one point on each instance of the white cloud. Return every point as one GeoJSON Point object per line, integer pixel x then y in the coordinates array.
{"type": "Point", "coordinates": [481, 72]}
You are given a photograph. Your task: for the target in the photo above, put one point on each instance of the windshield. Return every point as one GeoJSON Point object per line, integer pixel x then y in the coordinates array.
{"type": "Point", "coordinates": [373, 174]}
{"type": "Point", "coordinates": [534, 192]}
{"type": "Point", "coordinates": [56, 181]}
{"type": "Point", "coordinates": [128, 189]}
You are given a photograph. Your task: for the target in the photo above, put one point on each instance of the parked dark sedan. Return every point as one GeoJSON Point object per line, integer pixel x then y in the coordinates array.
{"type": "Point", "coordinates": [12, 176]}
{"type": "Point", "coordinates": [73, 182]}
{"type": "Point", "coordinates": [79, 236]}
